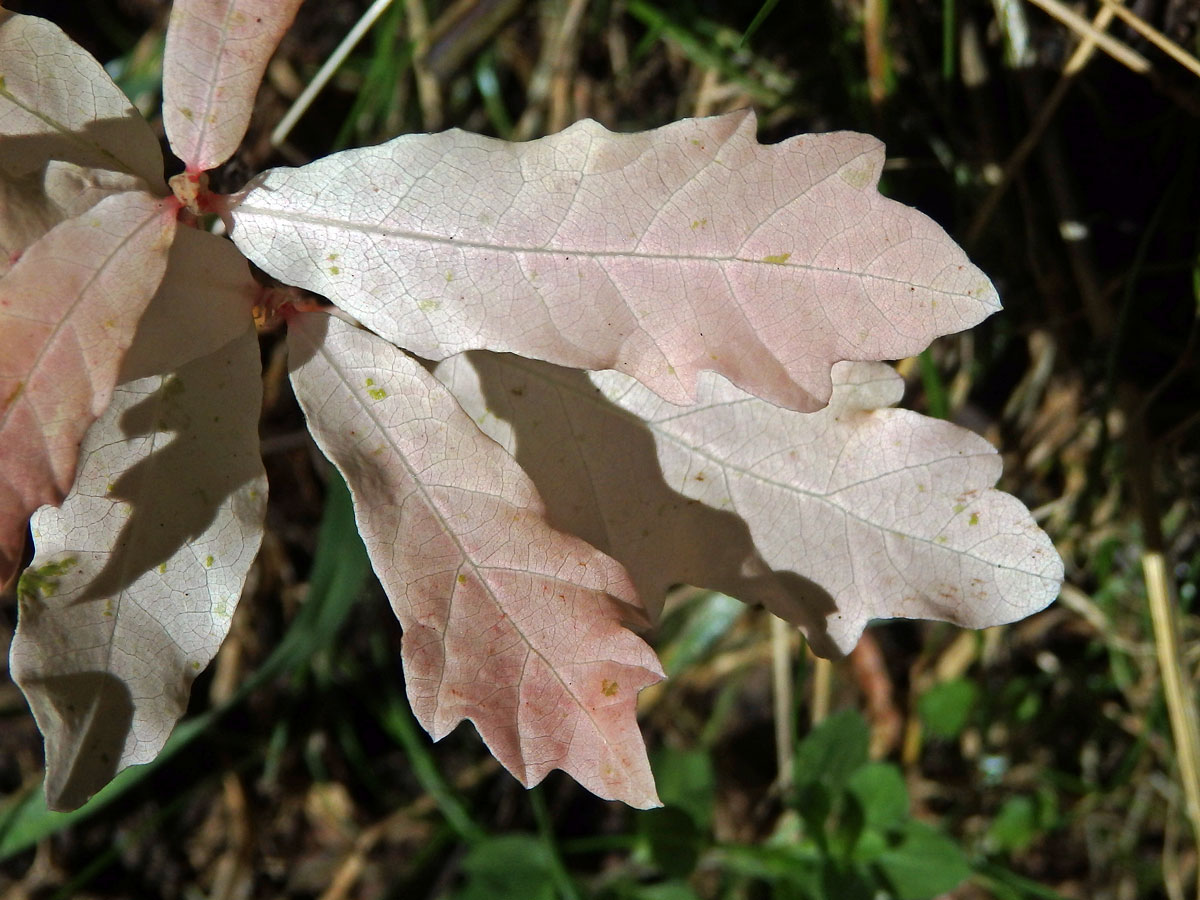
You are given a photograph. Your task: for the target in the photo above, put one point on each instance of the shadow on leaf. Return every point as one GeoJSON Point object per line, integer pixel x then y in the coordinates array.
{"type": "Point", "coordinates": [87, 146]}
{"type": "Point", "coordinates": [176, 491]}
{"type": "Point", "coordinates": [93, 712]}
{"type": "Point", "coordinates": [597, 470]}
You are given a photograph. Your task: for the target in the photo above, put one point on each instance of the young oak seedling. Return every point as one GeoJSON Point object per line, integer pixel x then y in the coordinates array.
{"type": "Point", "coordinates": [659, 363]}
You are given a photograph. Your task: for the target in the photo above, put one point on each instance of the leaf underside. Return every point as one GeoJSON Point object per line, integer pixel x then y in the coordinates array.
{"type": "Point", "coordinates": [58, 103]}
{"type": "Point", "coordinates": [205, 300]}
{"type": "Point", "coordinates": [138, 573]}
{"type": "Point", "coordinates": [659, 254]}
{"type": "Point", "coordinates": [507, 622]}
{"type": "Point", "coordinates": [214, 59]}
{"type": "Point", "coordinates": [68, 311]}
{"type": "Point", "coordinates": [829, 519]}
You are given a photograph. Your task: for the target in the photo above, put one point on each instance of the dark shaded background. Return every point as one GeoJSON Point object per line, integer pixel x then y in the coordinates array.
{"type": "Point", "coordinates": [1088, 383]}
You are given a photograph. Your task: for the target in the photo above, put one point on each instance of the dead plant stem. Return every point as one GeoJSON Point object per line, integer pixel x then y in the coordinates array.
{"type": "Point", "coordinates": [1181, 708]}
{"type": "Point", "coordinates": [784, 699]}
{"type": "Point", "coordinates": [822, 689]}
{"type": "Point", "coordinates": [1106, 42]}
{"type": "Point", "coordinates": [327, 70]}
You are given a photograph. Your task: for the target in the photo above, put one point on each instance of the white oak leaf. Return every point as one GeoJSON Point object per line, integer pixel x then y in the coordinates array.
{"type": "Point", "coordinates": [57, 102]}
{"type": "Point", "coordinates": [138, 573]}
{"type": "Point", "coordinates": [68, 311]}
{"type": "Point", "coordinates": [214, 59]}
{"type": "Point", "coordinates": [829, 518]}
{"type": "Point", "coordinates": [506, 621]}
{"type": "Point", "coordinates": [660, 254]}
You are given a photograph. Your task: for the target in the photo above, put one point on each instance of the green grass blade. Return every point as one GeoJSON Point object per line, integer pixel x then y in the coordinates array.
{"type": "Point", "coordinates": [397, 720]}
{"type": "Point", "coordinates": [935, 389]}
{"type": "Point", "coordinates": [698, 51]}
{"type": "Point", "coordinates": [755, 23]}
{"type": "Point", "coordinates": [949, 39]}
{"type": "Point", "coordinates": [562, 878]}
{"type": "Point", "coordinates": [488, 86]}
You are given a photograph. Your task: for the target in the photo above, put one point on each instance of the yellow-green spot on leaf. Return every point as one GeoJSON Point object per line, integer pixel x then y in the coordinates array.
{"type": "Point", "coordinates": [36, 584]}
{"type": "Point", "coordinates": [921, 489]}
{"type": "Point", "coordinates": [449, 277]}
{"type": "Point", "coordinates": [608, 688]}
{"type": "Point", "coordinates": [195, 666]}
{"type": "Point", "coordinates": [186, 113]}
{"type": "Point", "coordinates": [332, 256]}
{"type": "Point", "coordinates": [429, 305]}
{"type": "Point", "coordinates": [375, 393]}
{"type": "Point", "coordinates": [334, 270]}
{"type": "Point", "coordinates": [777, 259]}
{"type": "Point", "coordinates": [699, 223]}
{"type": "Point", "coordinates": [974, 520]}
{"type": "Point", "coordinates": [162, 568]}
{"type": "Point", "coordinates": [2, 87]}
{"type": "Point", "coordinates": [222, 609]}
{"type": "Point", "coordinates": [462, 579]}
{"type": "Point", "coordinates": [856, 174]}
{"type": "Point", "coordinates": [108, 607]}
{"type": "Point", "coordinates": [958, 507]}
{"type": "Point", "coordinates": [941, 539]}
{"type": "Point", "coordinates": [208, 561]}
